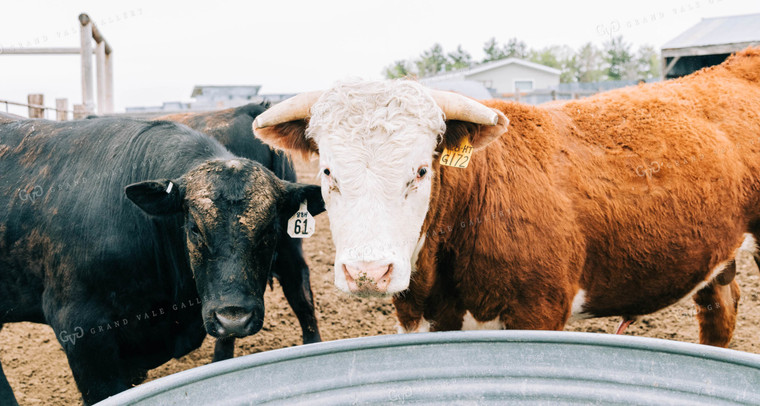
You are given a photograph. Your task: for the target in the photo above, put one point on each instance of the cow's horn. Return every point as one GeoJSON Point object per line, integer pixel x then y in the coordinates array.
{"type": "Point", "coordinates": [458, 107]}
{"type": "Point", "coordinates": [295, 108]}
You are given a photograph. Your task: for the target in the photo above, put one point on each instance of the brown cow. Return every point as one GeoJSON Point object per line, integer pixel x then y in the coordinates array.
{"type": "Point", "coordinates": [616, 205]}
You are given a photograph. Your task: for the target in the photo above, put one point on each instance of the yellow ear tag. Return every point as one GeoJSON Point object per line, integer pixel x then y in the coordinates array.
{"type": "Point", "coordinates": [458, 157]}
{"type": "Point", "coordinates": [301, 224]}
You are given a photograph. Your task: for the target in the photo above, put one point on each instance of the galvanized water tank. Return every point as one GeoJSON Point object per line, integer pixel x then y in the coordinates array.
{"type": "Point", "coordinates": [468, 368]}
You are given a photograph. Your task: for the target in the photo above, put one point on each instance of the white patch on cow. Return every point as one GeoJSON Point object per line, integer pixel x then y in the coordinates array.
{"type": "Point", "coordinates": [416, 253]}
{"type": "Point", "coordinates": [422, 327]}
{"type": "Point", "coordinates": [577, 312]}
{"type": "Point", "coordinates": [469, 323]}
{"type": "Point", "coordinates": [715, 272]}
{"type": "Point", "coordinates": [373, 137]}
{"type": "Point", "coordinates": [233, 164]}
{"type": "Point", "coordinates": [749, 244]}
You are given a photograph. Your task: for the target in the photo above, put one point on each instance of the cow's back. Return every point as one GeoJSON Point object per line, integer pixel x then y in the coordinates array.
{"type": "Point", "coordinates": [233, 128]}
{"type": "Point", "coordinates": [654, 177]}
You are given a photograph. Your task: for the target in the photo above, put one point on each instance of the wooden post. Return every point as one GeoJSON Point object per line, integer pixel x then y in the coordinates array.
{"type": "Point", "coordinates": [39, 100]}
{"type": "Point", "coordinates": [86, 44]}
{"type": "Point", "coordinates": [80, 112]}
{"type": "Point", "coordinates": [61, 105]}
{"type": "Point", "coordinates": [554, 95]}
{"type": "Point", "coordinates": [109, 82]}
{"type": "Point", "coordinates": [100, 63]}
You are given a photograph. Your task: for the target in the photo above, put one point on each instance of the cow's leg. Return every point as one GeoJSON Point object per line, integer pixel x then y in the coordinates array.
{"type": "Point", "coordinates": [293, 274]}
{"type": "Point", "coordinates": [716, 312]}
{"type": "Point", "coordinates": [6, 392]}
{"type": "Point", "coordinates": [224, 348]}
{"type": "Point", "coordinates": [93, 356]}
{"type": "Point", "coordinates": [627, 321]}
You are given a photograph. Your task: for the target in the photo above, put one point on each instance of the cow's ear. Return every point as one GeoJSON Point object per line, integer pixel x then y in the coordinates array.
{"type": "Point", "coordinates": [289, 136]}
{"type": "Point", "coordinates": [296, 193]}
{"type": "Point", "coordinates": [156, 197]}
{"type": "Point", "coordinates": [480, 135]}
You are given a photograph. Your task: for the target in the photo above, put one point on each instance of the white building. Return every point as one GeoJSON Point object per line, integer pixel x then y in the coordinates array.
{"type": "Point", "coordinates": [503, 76]}
{"type": "Point", "coordinates": [219, 97]}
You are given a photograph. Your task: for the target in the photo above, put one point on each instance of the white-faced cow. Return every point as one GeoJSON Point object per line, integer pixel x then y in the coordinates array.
{"type": "Point", "coordinates": [618, 204]}
{"type": "Point", "coordinates": [128, 281]}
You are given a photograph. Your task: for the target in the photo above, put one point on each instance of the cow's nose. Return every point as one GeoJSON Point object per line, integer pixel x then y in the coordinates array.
{"type": "Point", "coordinates": [233, 321]}
{"type": "Point", "coordinates": [368, 277]}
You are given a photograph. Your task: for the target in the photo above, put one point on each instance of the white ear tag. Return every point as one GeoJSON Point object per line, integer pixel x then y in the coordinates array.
{"type": "Point", "coordinates": [169, 188]}
{"type": "Point", "coordinates": [301, 225]}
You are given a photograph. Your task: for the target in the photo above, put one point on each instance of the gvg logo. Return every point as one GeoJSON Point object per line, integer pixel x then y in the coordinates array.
{"type": "Point", "coordinates": [608, 30]}
{"type": "Point", "coordinates": [66, 337]}
{"type": "Point", "coordinates": [32, 195]}
{"type": "Point", "coordinates": [653, 168]}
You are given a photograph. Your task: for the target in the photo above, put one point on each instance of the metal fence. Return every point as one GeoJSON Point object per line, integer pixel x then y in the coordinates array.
{"type": "Point", "coordinates": [35, 108]}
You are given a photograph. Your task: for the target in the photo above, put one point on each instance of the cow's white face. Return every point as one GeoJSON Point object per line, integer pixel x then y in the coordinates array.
{"type": "Point", "coordinates": [376, 143]}
{"type": "Point", "coordinates": [376, 146]}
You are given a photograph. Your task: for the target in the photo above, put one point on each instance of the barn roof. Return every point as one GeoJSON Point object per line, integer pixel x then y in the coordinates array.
{"type": "Point", "coordinates": [741, 29]}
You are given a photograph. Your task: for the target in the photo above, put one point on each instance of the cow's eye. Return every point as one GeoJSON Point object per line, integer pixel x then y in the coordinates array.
{"type": "Point", "coordinates": [195, 230]}
{"type": "Point", "coordinates": [326, 171]}
{"type": "Point", "coordinates": [421, 172]}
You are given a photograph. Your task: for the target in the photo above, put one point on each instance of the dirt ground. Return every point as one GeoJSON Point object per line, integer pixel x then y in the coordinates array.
{"type": "Point", "coordinates": [37, 370]}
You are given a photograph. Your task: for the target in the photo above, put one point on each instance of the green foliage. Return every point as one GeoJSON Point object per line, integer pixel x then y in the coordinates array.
{"type": "Point", "coordinates": [431, 61]}
{"type": "Point", "coordinates": [399, 69]}
{"type": "Point", "coordinates": [648, 62]}
{"type": "Point", "coordinates": [587, 65]}
{"type": "Point", "coordinates": [459, 59]}
{"type": "Point", "coordinates": [516, 49]}
{"type": "Point", "coordinates": [493, 51]}
{"type": "Point", "coordinates": [619, 58]}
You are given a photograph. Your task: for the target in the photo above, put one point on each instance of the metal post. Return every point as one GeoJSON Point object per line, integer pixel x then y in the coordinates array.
{"type": "Point", "coordinates": [100, 62]}
{"type": "Point", "coordinates": [39, 100]}
{"type": "Point", "coordinates": [80, 112]}
{"type": "Point", "coordinates": [61, 105]}
{"type": "Point", "coordinates": [109, 82]}
{"type": "Point", "coordinates": [86, 43]}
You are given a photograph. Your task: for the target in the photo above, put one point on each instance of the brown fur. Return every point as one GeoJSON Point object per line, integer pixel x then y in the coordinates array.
{"type": "Point", "coordinates": [634, 195]}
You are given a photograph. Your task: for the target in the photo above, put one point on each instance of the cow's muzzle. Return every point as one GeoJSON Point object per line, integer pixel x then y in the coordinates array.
{"type": "Point", "coordinates": [235, 321]}
{"type": "Point", "coordinates": [368, 278]}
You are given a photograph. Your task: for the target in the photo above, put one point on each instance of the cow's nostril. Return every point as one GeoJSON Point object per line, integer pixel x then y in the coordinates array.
{"type": "Point", "coordinates": [368, 277]}
{"type": "Point", "coordinates": [233, 318]}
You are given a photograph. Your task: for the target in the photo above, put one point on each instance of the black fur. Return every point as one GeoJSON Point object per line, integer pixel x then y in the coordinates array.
{"type": "Point", "coordinates": [233, 129]}
{"type": "Point", "coordinates": [113, 282]}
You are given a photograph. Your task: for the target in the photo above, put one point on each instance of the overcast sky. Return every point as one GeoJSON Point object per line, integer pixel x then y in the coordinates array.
{"type": "Point", "coordinates": [163, 48]}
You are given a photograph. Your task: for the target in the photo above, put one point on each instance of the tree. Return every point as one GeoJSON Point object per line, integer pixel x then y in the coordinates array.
{"type": "Point", "coordinates": [493, 51]}
{"type": "Point", "coordinates": [399, 69]}
{"type": "Point", "coordinates": [557, 57]}
{"type": "Point", "coordinates": [648, 62]}
{"type": "Point", "coordinates": [516, 49]}
{"type": "Point", "coordinates": [459, 59]}
{"type": "Point", "coordinates": [431, 61]}
{"type": "Point", "coordinates": [620, 62]}
{"type": "Point", "coordinates": [587, 64]}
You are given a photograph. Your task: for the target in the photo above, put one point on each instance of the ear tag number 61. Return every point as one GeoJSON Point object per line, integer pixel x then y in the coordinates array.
{"type": "Point", "coordinates": [301, 225]}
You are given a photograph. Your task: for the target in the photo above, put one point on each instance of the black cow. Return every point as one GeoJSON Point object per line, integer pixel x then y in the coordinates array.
{"type": "Point", "coordinates": [127, 285]}
{"type": "Point", "coordinates": [233, 128]}
{"type": "Point", "coordinates": [9, 117]}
